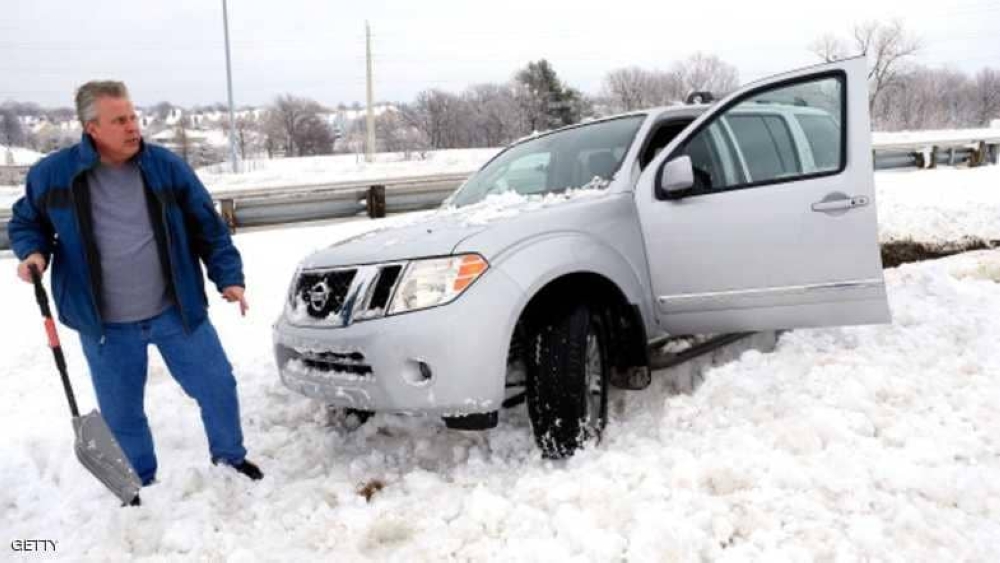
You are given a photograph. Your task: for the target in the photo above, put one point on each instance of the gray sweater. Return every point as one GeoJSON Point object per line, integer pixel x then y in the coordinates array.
{"type": "Point", "coordinates": [133, 283]}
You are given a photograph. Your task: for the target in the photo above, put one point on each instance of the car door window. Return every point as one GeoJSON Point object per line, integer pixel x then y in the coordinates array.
{"type": "Point", "coordinates": [760, 140]}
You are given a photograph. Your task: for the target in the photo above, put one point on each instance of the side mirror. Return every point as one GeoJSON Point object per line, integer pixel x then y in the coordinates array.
{"type": "Point", "coordinates": [675, 179]}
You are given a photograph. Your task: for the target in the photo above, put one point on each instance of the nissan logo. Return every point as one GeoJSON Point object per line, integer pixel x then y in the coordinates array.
{"type": "Point", "coordinates": [318, 296]}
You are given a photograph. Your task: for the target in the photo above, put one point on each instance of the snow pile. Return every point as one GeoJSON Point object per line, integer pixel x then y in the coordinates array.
{"type": "Point", "coordinates": [877, 442]}
{"type": "Point", "coordinates": [939, 205]}
{"type": "Point", "coordinates": [496, 207]}
{"type": "Point", "coordinates": [213, 137]}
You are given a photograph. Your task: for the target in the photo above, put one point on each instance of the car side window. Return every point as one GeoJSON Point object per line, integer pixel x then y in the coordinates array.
{"type": "Point", "coordinates": [780, 134]}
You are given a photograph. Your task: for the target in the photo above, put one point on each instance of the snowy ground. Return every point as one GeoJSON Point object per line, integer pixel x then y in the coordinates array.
{"type": "Point", "coordinates": [343, 168]}
{"type": "Point", "coordinates": [847, 443]}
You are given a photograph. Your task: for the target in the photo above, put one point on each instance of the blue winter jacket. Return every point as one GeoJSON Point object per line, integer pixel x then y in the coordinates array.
{"type": "Point", "coordinates": [54, 218]}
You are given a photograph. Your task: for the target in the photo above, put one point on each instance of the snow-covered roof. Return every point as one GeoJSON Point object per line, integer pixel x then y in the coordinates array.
{"type": "Point", "coordinates": [214, 137]}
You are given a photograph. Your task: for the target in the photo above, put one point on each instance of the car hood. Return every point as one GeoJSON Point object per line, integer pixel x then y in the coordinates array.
{"type": "Point", "coordinates": [499, 222]}
{"type": "Point", "coordinates": [431, 235]}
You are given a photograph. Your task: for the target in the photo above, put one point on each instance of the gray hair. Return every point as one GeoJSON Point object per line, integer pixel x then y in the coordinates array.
{"type": "Point", "coordinates": [86, 97]}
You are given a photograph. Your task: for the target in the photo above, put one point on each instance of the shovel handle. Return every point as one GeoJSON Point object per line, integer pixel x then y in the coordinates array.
{"type": "Point", "coordinates": [50, 329]}
{"type": "Point", "coordinates": [40, 296]}
{"type": "Point", "coordinates": [43, 303]}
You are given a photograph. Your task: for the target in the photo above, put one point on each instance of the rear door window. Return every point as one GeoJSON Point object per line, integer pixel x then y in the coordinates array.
{"type": "Point", "coordinates": [823, 135]}
{"type": "Point", "coordinates": [766, 144]}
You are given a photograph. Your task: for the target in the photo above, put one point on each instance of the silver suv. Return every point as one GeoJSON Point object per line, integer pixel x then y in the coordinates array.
{"type": "Point", "coordinates": [548, 272]}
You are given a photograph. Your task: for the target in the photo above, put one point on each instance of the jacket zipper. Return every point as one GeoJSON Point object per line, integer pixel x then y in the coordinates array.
{"type": "Point", "coordinates": [170, 256]}
{"type": "Point", "coordinates": [86, 257]}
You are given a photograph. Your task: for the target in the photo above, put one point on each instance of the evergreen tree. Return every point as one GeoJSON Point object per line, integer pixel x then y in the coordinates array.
{"type": "Point", "coordinates": [544, 101]}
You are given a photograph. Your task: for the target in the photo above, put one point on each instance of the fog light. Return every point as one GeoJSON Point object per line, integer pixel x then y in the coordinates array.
{"type": "Point", "coordinates": [417, 372]}
{"type": "Point", "coordinates": [425, 370]}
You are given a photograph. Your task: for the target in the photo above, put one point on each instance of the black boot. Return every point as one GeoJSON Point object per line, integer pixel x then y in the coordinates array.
{"type": "Point", "coordinates": [245, 467]}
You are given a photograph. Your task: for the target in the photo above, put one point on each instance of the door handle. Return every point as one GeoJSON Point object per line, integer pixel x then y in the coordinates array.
{"type": "Point", "coordinates": [842, 204]}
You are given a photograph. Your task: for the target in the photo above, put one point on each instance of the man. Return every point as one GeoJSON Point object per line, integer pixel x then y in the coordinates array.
{"type": "Point", "coordinates": [125, 226]}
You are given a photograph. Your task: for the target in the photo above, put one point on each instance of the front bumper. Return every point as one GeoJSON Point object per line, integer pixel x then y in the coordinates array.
{"type": "Point", "coordinates": [445, 361]}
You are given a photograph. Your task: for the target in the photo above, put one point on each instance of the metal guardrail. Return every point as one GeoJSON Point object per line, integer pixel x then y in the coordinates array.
{"type": "Point", "coordinates": [255, 207]}
{"type": "Point", "coordinates": [270, 206]}
{"type": "Point", "coordinates": [12, 175]}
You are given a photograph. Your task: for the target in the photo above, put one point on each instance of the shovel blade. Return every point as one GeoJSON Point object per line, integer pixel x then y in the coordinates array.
{"type": "Point", "coordinates": [99, 452]}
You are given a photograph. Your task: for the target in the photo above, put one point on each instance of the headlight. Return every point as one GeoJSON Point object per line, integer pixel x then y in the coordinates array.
{"type": "Point", "coordinates": [428, 283]}
{"type": "Point", "coordinates": [290, 297]}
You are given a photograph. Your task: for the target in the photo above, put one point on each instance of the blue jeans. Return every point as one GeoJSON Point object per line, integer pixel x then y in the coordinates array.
{"type": "Point", "coordinates": [196, 361]}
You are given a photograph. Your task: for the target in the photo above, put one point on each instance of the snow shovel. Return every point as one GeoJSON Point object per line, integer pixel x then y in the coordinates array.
{"type": "Point", "coordinates": [96, 447]}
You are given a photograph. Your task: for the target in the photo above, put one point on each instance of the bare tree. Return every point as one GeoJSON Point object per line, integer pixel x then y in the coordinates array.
{"type": "Point", "coordinates": [295, 122]}
{"type": "Point", "coordinates": [829, 48]}
{"type": "Point", "coordinates": [314, 136]}
{"type": "Point", "coordinates": [393, 133]}
{"type": "Point", "coordinates": [701, 72]}
{"type": "Point", "coordinates": [926, 98]}
{"type": "Point", "coordinates": [888, 47]}
{"type": "Point", "coordinates": [388, 131]}
{"type": "Point", "coordinates": [986, 94]}
{"type": "Point", "coordinates": [249, 134]}
{"type": "Point", "coordinates": [439, 116]}
{"type": "Point", "coordinates": [495, 115]}
{"type": "Point", "coordinates": [627, 89]}
{"type": "Point", "coordinates": [631, 88]}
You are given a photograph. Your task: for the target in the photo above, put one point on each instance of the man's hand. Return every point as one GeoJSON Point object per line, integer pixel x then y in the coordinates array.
{"type": "Point", "coordinates": [233, 294]}
{"type": "Point", "coordinates": [38, 260]}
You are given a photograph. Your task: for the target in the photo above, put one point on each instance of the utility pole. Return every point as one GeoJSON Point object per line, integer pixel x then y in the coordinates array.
{"type": "Point", "coordinates": [229, 85]}
{"type": "Point", "coordinates": [370, 119]}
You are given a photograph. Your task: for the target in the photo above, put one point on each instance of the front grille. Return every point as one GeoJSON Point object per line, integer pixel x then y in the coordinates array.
{"type": "Point", "coordinates": [324, 293]}
{"type": "Point", "coordinates": [387, 278]}
{"type": "Point", "coordinates": [352, 363]}
{"type": "Point", "coordinates": [339, 297]}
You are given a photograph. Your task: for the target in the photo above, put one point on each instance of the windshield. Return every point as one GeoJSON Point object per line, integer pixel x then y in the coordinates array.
{"type": "Point", "coordinates": [555, 162]}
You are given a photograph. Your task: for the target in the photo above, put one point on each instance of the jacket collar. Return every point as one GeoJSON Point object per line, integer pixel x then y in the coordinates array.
{"type": "Point", "coordinates": [88, 156]}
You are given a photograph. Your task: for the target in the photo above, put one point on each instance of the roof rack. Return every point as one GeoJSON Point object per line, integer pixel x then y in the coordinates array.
{"type": "Point", "coordinates": [700, 97]}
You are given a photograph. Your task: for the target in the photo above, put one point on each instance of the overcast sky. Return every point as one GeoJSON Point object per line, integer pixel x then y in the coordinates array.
{"type": "Point", "coordinates": [174, 50]}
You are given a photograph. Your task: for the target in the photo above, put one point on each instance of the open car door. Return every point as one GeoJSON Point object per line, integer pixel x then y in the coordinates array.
{"type": "Point", "coordinates": [761, 213]}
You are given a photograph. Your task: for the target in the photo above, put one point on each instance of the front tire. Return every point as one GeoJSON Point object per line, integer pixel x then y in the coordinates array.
{"type": "Point", "coordinates": [568, 372]}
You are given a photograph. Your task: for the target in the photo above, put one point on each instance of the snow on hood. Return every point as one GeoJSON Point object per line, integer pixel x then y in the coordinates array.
{"type": "Point", "coordinates": [439, 232]}
{"type": "Point", "coordinates": [510, 204]}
